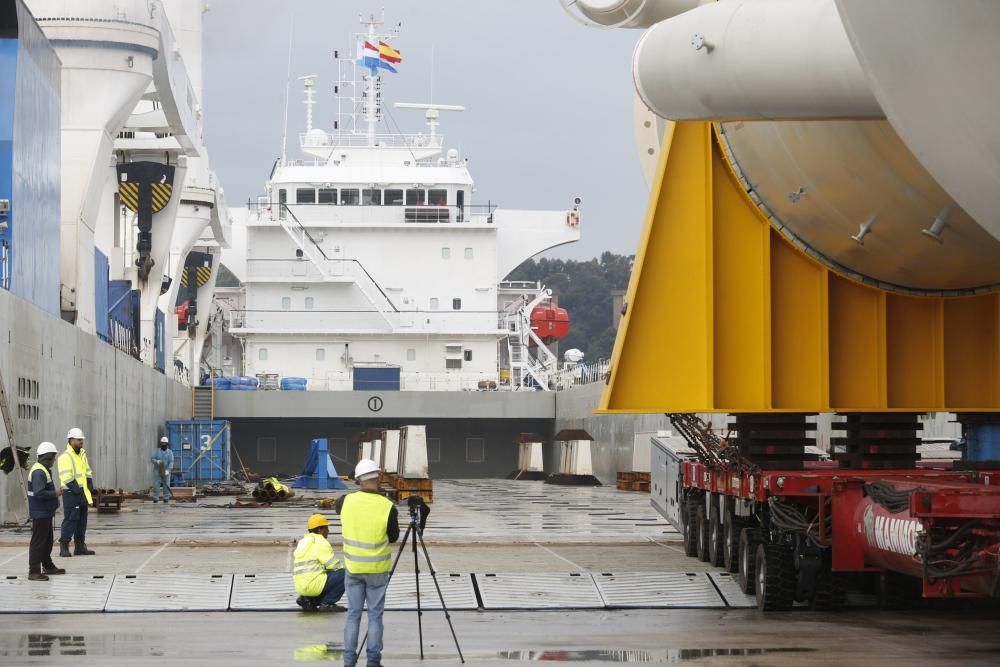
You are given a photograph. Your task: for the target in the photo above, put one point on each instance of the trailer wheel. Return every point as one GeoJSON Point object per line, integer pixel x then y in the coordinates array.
{"type": "Point", "coordinates": [830, 592]}
{"type": "Point", "coordinates": [701, 528]}
{"type": "Point", "coordinates": [776, 578]}
{"type": "Point", "coordinates": [716, 541]}
{"type": "Point", "coordinates": [747, 559]}
{"type": "Point", "coordinates": [731, 541]}
{"type": "Point", "coordinates": [690, 529]}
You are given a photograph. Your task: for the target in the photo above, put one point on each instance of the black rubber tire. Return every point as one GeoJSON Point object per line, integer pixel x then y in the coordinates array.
{"type": "Point", "coordinates": [776, 578]}
{"type": "Point", "coordinates": [690, 529]}
{"type": "Point", "coordinates": [715, 539]}
{"type": "Point", "coordinates": [701, 536]}
{"type": "Point", "coordinates": [747, 560]}
{"type": "Point", "coordinates": [731, 528]}
{"type": "Point", "coordinates": [830, 592]}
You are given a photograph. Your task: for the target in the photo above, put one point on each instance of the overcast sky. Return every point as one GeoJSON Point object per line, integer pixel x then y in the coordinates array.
{"type": "Point", "coordinates": [548, 102]}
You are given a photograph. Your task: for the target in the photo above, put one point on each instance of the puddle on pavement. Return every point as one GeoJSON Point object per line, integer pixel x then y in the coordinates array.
{"type": "Point", "coordinates": [668, 656]}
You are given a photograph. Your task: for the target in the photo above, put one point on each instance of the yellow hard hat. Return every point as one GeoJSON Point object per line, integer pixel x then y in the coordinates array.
{"type": "Point", "coordinates": [317, 520]}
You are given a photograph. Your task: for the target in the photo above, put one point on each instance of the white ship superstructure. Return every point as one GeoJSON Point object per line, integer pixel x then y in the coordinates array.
{"type": "Point", "coordinates": [370, 261]}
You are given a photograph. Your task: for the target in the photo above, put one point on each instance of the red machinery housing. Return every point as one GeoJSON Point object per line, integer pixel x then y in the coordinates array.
{"type": "Point", "coordinates": [549, 323]}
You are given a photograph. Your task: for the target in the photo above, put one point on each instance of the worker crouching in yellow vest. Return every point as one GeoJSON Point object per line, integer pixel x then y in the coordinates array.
{"type": "Point", "coordinates": [370, 523]}
{"type": "Point", "coordinates": [76, 480]}
{"type": "Point", "coordinates": [316, 572]}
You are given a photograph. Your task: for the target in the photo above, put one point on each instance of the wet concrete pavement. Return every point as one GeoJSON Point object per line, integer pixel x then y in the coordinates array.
{"type": "Point", "coordinates": [476, 526]}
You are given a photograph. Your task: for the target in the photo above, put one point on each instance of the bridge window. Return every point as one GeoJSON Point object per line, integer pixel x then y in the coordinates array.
{"type": "Point", "coordinates": [411, 354]}
{"type": "Point", "coordinates": [350, 197]}
{"type": "Point", "coordinates": [305, 196]}
{"type": "Point", "coordinates": [393, 197]}
{"type": "Point", "coordinates": [320, 354]}
{"type": "Point", "coordinates": [437, 197]}
{"type": "Point", "coordinates": [371, 197]}
{"type": "Point", "coordinates": [445, 253]}
{"type": "Point", "coordinates": [328, 195]}
{"type": "Point", "coordinates": [262, 354]}
{"type": "Point", "coordinates": [415, 197]}
{"type": "Point", "coordinates": [434, 303]}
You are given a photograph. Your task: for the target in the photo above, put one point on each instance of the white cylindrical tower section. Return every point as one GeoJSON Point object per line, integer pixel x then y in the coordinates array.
{"type": "Point", "coordinates": [759, 60]}
{"type": "Point", "coordinates": [631, 13]}
{"type": "Point", "coordinates": [187, 23]}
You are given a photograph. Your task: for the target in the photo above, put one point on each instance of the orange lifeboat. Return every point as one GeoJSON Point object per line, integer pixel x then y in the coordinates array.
{"type": "Point", "coordinates": [549, 323]}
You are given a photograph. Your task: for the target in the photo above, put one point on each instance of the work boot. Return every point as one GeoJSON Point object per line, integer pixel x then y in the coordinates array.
{"type": "Point", "coordinates": [82, 550]}
{"type": "Point", "coordinates": [64, 549]}
{"type": "Point", "coordinates": [37, 576]}
{"type": "Point", "coordinates": [155, 501]}
{"type": "Point", "coordinates": [52, 569]}
{"type": "Point", "coordinates": [307, 605]}
{"type": "Point", "coordinates": [331, 608]}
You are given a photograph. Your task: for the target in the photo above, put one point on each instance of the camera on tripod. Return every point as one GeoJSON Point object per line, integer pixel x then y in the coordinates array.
{"type": "Point", "coordinates": [415, 503]}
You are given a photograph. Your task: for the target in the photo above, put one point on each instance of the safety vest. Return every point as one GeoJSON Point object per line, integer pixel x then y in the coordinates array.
{"type": "Point", "coordinates": [45, 506]}
{"type": "Point", "coordinates": [75, 466]}
{"type": "Point", "coordinates": [38, 466]}
{"type": "Point", "coordinates": [313, 557]}
{"type": "Point", "coordinates": [366, 545]}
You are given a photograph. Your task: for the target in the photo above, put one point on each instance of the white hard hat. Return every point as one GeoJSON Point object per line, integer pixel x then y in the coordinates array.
{"type": "Point", "coordinates": [164, 439]}
{"type": "Point", "coordinates": [46, 448]}
{"type": "Point", "coordinates": [75, 433]}
{"type": "Point", "coordinates": [365, 469]}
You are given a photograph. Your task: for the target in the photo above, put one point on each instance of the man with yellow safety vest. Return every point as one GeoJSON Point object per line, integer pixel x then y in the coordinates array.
{"type": "Point", "coordinates": [370, 523]}
{"type": "Point", "coordinates": [316, 572]}
{"type": "Point", "coordinates": [43, 501]}
{"type": "Point", "coordinates": [77, 482]}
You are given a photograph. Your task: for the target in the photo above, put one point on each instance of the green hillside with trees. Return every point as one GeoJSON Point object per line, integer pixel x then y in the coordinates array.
{"type": "Point", "coordinates": [584, 289]}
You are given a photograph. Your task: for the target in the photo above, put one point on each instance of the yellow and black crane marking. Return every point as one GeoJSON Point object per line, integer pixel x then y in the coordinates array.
{"type": "Point", "coordinates": [203, 273]}
{"type": "Point", "coordinates": [161, 193]}
{"type": "Point", "coordinates": [145, 188]}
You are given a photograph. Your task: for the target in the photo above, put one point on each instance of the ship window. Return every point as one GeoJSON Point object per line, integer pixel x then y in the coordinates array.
{"type": "Point", "coordinates": [350, 197]}
{"type": "Point", "coordinates": [437, 197]}
{"type": "Point", "coordinates": [328, 195]}
{"type": "Point", "coordinates": [320, 354]}
{"type": "Point", "coordinates": [282, 196]}
{"type": "Point", "coordinates": [468, 253]}
{"type": "Point", "coordinates": [262, 354]}
{"type": "Point", "coordinates": [371, 197]}
{"type": "Point", "coordinates": [434, 303]}
{"type": "Point", "coordinates": [309, 303]}
{"type": "Point", "coordinates": [411, 354]}
{"type": "Point", "coordinates": [445, 253]}
{"type": "Point", "coordinates": [453, 364]}
{"type": "Point", "coordinates": [456, 304]}
{"type": "Point", "coordinates": [475, 450]}
{"type": "Point", "coordinates": [393, 197]}
{"type": "Point", "coordinates": [305, 196]}
{"type": "Point", "coordinates": [267, 450]}
{"type": "Point", "coordinates": [415, 197]}
{"type": "Point", "coordinates": [433, 450]}
{"type": "Point", "coordinates": [286, 302]}
{"type": "Point", "coordinates": [467, 355]}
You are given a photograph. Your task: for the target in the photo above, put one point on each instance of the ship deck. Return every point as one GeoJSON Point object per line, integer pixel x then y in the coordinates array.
{"type": "Point", "coordinates": [530, 572]}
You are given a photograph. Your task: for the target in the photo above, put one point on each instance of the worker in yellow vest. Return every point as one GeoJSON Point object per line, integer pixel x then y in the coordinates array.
{"type": "Point", "coordinates": [370, 523]}
{"type": "Point", "coordinates": [316, 572]}
{"type": "Point", "coordinates": [77, 482]}
{"type": "Point", "coordinates": [43, 502]}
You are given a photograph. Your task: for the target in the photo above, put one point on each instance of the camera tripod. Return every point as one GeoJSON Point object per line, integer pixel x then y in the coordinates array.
{"type": "Point", "coordinates": [415, 533]}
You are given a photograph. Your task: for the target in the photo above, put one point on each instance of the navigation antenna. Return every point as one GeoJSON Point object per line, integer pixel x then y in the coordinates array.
{"type": "Point", "coordinates": [309, 84]}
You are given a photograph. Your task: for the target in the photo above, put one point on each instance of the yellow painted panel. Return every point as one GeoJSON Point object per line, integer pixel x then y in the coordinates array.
{"type": "Point", "coordinates": [914, 351]}
{"type": "Point", "coordinates": [971, 342]}
{"type": "Point", "coordinates": [740, 268]}
{"type": "Point", "coordinates": [663, 350]}
{"type": "Point", "coordinates": [798, 329]}
{"type": "Point", "coordinates": [857, 345]}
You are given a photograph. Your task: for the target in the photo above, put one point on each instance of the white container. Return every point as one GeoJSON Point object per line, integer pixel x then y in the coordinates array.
{"type": "Point", "coordinates": [413, 453]}
{"type": "Point", "coordinates": [390, 451]}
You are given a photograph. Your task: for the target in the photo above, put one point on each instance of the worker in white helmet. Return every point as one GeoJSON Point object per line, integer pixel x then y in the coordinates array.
{"type": "Point", "coordinates": [369, 523]}
{"type": "Point", "coordinates": [163, 462]}
{"type": "Point", "coordinates": [43, 501]}
{"type": "Point", "coordinates": [77, 482]}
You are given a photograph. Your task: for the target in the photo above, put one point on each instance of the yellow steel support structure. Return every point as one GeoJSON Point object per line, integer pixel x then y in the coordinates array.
{"type": "Point", "coordinates": [724, 315]}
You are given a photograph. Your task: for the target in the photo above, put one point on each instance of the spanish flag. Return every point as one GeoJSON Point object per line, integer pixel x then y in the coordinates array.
{"type": "Point", "coordinates": [389, 54]}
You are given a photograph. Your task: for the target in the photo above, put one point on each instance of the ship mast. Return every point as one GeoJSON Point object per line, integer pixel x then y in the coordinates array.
{"type": "Point", "coordinates": [373, 87]}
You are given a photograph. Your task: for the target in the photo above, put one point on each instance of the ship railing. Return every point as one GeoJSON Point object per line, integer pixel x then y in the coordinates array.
{"type": "Point", "coordinates": [334, 214]}
{"type": "Point", "coordinates": [412, 381]}
{"type": "Point", "coordinates": [571, 375]}
{"type": "Point", "coordinates": [345, 139]}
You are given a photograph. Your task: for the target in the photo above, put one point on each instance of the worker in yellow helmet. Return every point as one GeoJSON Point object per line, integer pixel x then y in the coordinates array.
{"type": "Point", "coordinates": [77, 482]}
{"type": "Point", "coordinates": [318, 575]}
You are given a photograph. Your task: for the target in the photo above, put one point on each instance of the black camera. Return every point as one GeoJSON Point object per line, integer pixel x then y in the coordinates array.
{"type": "Point", "coordinates": [417, 503]}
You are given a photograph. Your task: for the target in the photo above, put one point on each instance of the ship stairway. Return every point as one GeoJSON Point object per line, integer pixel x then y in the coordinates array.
{"type": "Point", "coordinates": [521, 360]}
{"type": "Point", "coordinates": [202, 402]}
{"type": "Point", "coordinates": [312, 251]}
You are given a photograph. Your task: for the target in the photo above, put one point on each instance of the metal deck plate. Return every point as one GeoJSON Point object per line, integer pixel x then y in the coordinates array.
{"type": "Point", "coordinates": [263, 592]}
{"type": "Point", "coordinates": [730, 590]}
{"type": "Point", "coordinates": [539, 591]}
{"type": "Point", "coordinates": [457, 590]}
{"type": "Point", "coordinates": [170, 592]}
{"type": "Point", "coordinates": [658, 590]}
{"type": "Point", "coordinates": [61, 593]}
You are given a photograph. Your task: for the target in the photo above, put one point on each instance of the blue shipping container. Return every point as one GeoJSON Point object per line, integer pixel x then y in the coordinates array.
{"type": "Point", "coordinates": [376, 378]}
{"type": "Point", "coordinates": [201, 451]}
